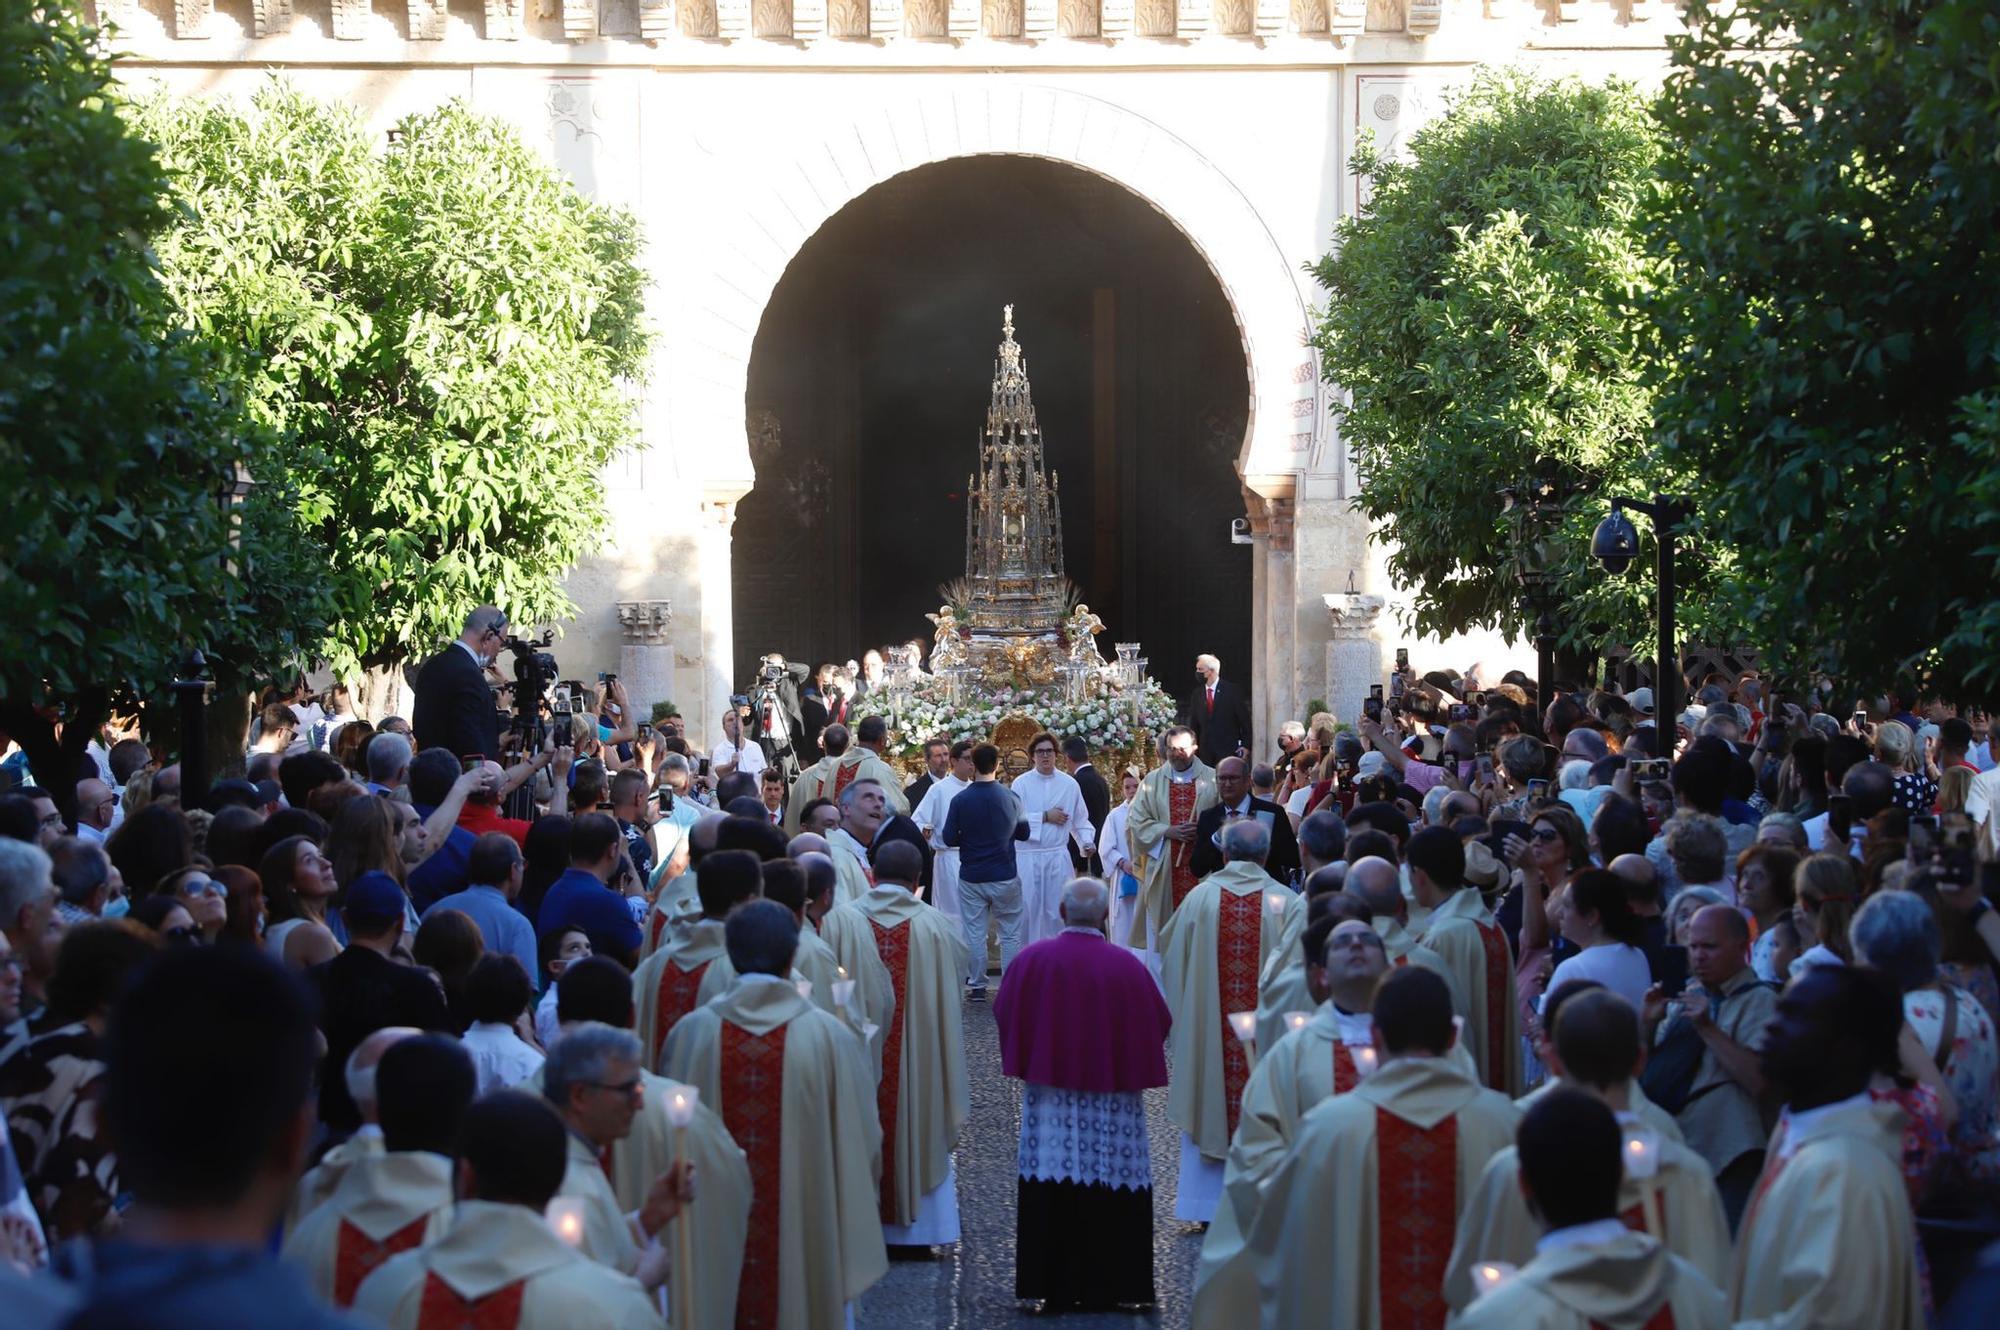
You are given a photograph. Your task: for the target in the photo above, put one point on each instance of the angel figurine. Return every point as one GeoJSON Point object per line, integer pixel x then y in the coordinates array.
{"type": "Point", "coordinates": [1082, 630]}
{"type": "Point", "coordinates": [947, 649]}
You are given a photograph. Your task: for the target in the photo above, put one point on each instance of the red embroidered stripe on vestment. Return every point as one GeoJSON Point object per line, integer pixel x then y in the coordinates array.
{"type": "Point", "coordinates": [1416, 1210]}
{"type": "Point", "coordinates": [753, 1108]}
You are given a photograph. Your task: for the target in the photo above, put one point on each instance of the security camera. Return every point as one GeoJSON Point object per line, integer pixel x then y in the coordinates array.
{"type": "Point", "coordinates": [1615, 543]}
{"type": "Point", "coordinates": [1239, 532]}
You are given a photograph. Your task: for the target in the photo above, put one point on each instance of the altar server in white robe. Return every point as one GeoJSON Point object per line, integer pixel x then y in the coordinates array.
{"type": "Point", "coordinates": [929, 817]}
{"type": "Point", "coordinates": [1053, 803]}
{"type": "Point", "coordinates": [1121, 874]}
{"type": "Point", "coordinates": [319, 1181]}
{"type": "Point", "coordinates": [500, 1264]}
{"type": "Point", "coordinates": [398, 1200]}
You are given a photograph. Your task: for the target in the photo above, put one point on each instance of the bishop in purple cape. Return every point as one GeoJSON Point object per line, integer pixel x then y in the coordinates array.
{"type": "Point", "coordinates": [1083, 1024]}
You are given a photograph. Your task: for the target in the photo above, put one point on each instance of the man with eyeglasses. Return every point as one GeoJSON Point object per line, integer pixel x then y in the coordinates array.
{"type": "Point", "coordinates": [454, 707]}
{"type": "Point", "coordinates": [96, 806]}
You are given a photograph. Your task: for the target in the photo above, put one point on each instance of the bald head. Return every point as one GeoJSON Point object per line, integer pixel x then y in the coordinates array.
{"type": "Point", "coordinates": [702, 835]}
{"type": "Point", "coordinates": [1085, 903]}
{"type": "Point", "coordinates": [1378, 884]}
{"type": "Point", "coordinates": [361, 1064]}
{"type": "Point", "coordinates": [1726, 922]}
{"type": "Point", "coordinates": [1642, 880]}
{"type": "Point", "coordinates": [1248, 841]}
{"type": "Point", "coordinates": [805, 843]}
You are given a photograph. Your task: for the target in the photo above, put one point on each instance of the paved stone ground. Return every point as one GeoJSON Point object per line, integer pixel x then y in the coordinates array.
{"type": "Point", "coordinates": [972, 1285]}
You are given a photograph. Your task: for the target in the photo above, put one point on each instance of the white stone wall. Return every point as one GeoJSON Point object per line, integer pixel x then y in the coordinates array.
{"type": "Point", "coordinates": [734, 148]}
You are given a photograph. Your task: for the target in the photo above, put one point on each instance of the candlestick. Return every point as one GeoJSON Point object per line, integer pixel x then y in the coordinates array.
{"type": "Point", "coordinates": [1244, 1023]}
{"type": "Point", "coordinates": [680, 1111]}
{"type": "Point", "coordinates": [565, 1216]}
{"type": "Point", "coordinates": [1489, 1275]}
{"type": "Point", "coordinates": [1642, 1152]}
{"type": "Point", "coordinates": [1365, 1060]}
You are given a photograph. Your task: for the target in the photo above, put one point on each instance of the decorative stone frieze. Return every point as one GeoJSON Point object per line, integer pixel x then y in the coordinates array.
{"type": "Point", "coordinates": [350, 20]}
{"type": "Point", "coordinates": [1421, 17]}
{"type": "Point", "coordinates": [1193, 18]}
{"type": "Point", "coordinates": [1114, 19]}
{"type": "Point", "coordinates": [656, 20]}
{"type": "Point", "coordinates": [427, 20]}
{"type": "Point", "coordinates": [1347, 18]}
{"type": "Point", "coordinates": [645, 621]}
{"type": "Point", "coordinates": [503, 20]}
{"type": "Point", "coordinates": [1038, 20]}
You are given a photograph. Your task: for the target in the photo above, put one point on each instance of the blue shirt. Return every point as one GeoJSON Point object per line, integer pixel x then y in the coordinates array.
{"type": "Point", "coordinates": [134, 1286]}
{"type": "Point", "coordinates": [445, 871]}
{"type": "Point", "coordinates": [983, 822]}
{"type": "Point", "coordinates": [505, 928]}
{"type": "Point", "coordinates": [578, 900]}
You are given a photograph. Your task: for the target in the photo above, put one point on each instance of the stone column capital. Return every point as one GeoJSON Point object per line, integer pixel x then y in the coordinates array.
{"type": "Point", "coordinates": [646, 622]}
{"type": "Point", "coordinates": [1354, 614]}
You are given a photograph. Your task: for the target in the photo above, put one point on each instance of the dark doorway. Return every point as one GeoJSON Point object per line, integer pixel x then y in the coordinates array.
{"type": "Point", "coordinates": [868, 388]}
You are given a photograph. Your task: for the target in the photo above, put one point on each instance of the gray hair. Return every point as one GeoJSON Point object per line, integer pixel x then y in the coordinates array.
{"type": "Point", "coordinates": [1575, 774]}
{"type": "Point", "coordinates": [1296, 729]}
{"type": "Point", "coordinates": [24, 879]}
{"type": "Point", "coordinates": [78, 868]}
{"type": "Point", "coordinates": [1896, 933]}
{"type": "Point", "coordinates": [1433, 809]}
{"type": "Point", "coordinates": [674, 762]}
{"type": "Point", "coordinates": [1323, 835]}
{"type": "Point", "coordinates": [1795, 830]}
{"type": "Point", "coordinates": [483, 618]}
{"type": "Point", "coordinates": [1698, 898]}
{"type": "Point", "coordinates": [583, 1056]}
{"type": "Point", "coordinates": [847, 795]}
{"type": "Point", "coordinates": [1246, 841]}
{"type": "Point", "coordinates": [1085, 901]}
{"type": "Point", "coordinates": [388, 754]}
{"type": "Point", "coordinates": [1698, 847]}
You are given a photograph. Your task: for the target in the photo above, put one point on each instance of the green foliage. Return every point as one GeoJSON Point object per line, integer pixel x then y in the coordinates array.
{"type": "Point", "coordinates": [442, 328]}
{"type": "Point", "coordinates": [1838, 295]}
{"type": "Point", "coordinates": [1478, 319]}
{"type": "Point", "coordinates": [118, 430]}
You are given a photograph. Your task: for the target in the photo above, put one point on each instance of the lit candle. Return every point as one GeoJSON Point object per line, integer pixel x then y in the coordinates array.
{"type": "Point", "coordinates": [1244, 1023]}
{"type": "Point", "coordinates": [1642, 1152]}
{"type": "Point", "coordinates": [805, 987]}
{"type": "Point", "coordinates": [840, 971]}
{"type": "Point", "coordinates": [682, 1101]}
{"type": "Point", "coordinates": [1489, 1275]}
{"type": "Point", "coordinates": [565, 1216]}
{"type": "Point", "coordinates": [1364, 1060]}
{"type": "Point", "coordinates": [1274, 904]}
{"type": "Point", "coordinates": [1296, 1020]}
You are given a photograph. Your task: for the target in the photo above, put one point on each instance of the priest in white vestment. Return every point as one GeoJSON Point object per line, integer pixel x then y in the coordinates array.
{"type": "Point", "coordinates": [1328, 1054]}
{"type": "Point", "coordinates": [1210, 953]}
{"type": "Point", "coordinates": [922, 1096]}
{"type": "Point", "coordinates": [319, 1181]}
{"type": "Point", "coordinates": [929, 816]}
{"type": "Point", "coordinates": [864, 807]}
{"type": "Point", "coordinates": [1053, 804]}
{"type": "Point", "coordinates": [500, 1263]}
{"type": "Point", "coordinates": [1355, 1227]}
{"type": "Point", "coordinates": [1322, 839]}
{"type": "Point", "coordinates": [841, 767]}
{"type": "Point", "coordinates": [1667, 1192]}
{"type": "Point", "coordinates": [598, 990]}
{"type": "Point", "coordinates": [1828, 1240]}
{"type": "Point", "coordinates": [794, 1087]}
{"type": "Point", "coordinates": [1379, 885]}
{"type": "Point", "coordinates": [400, 1199]}
{"type": "Point", "coordinates": [1160, 832]}
{"type": "Point", "coordinates": [1462, 931]}
{"type": "Point", "coordinates": [1588, 1267]}
{"type": "Point", "coordinates": [677, 978]}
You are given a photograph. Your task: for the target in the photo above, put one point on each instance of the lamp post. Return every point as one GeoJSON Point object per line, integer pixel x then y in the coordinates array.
{"type": "Point", "coordinates": [1535, 507]}
{"type": "Point", "coordinates": [1615, 544]}
{"type": "Point", "coordinates": [191, 690]}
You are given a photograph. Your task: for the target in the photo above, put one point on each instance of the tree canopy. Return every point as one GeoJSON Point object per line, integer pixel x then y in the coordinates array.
{"type": "Point", "coordinates": [119, 429]}
{"type": "Point", "coordinates": [1835, 303]}
{"type": "Point", "coordinates": [441, 328]}
{"type": "Point", "coordinates": [1478, 320]}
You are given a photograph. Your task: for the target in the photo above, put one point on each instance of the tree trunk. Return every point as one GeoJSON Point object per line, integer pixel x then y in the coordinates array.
{"type": "Point", "coordinates": [383, 691]}
{"type": "Point", "coordinates": [228, 724]}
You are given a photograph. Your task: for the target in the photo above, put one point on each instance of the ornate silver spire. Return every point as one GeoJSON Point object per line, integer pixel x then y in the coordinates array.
{"type": "Point", "coordinates": [1013, 546]}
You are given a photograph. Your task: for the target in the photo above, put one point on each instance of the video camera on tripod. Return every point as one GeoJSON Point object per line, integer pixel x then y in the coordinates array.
{"type": "Point", "coordinates": [534, 670]}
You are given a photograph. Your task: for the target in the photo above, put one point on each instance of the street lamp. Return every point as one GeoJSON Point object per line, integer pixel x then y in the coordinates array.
{"type": "Point", "coordinates": [1615, 544]}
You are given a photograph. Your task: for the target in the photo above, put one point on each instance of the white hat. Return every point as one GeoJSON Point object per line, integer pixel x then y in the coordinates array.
{"type": "Point", "coordinates": [1640, 700]}
{"type": "Point", "coordinates": [1372, 764]}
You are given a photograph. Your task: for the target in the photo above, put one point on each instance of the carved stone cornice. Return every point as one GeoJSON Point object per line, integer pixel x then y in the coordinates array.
{"type": "Point", "coordinates": [1114, 19]}
{"type": "Point", "coordinates": [427, 20]}
{"type": "Point", "coordinates": [646, 622]}
{"type": "Point", "coordinates": [1354, 614]}
{"type": "Point", "coordinates": [1192, 18]}
{"type": "Point", "coordinates": [732, 20]}
{"type": "Point", "coordinates": [656, 20]}
{"type": "Point", "coordinates": [1347, 18]}
{"type": "Point", "coordinates": [1421, 17]}
{"type": "Point", "coordinates": [191, 18]}
{"type": "Point", "coordinates": [1272, 16]}
{"type": "Point", "coordinates": [1271, 518]}
{"type": "Point", "coordinates": [885, 20]}
{"type": "Point", "coordinates": [962, 21]}
{"type": "Point", "coordinates": [579, 19]}
{"type": "Point", "coordinates": [1038, 20]}
{"type": "Point", "coordinates": [350, 20]}
{"type": "Point", "coordinates": [503, 20]}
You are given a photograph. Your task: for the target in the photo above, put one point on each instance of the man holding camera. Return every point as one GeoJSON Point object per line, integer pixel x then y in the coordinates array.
{"type": "Point", "coordinates": [454, 708]}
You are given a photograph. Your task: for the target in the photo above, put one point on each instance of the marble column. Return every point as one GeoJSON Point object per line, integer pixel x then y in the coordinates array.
{"type": "Point", "coordinates": [646, 656]}
{"type": "Point", "coordinates": [1354, 653]}
{"type": "Point", "coordinates": [703, 708]}
{"type": "Point", "coordinates": [1273, 621]}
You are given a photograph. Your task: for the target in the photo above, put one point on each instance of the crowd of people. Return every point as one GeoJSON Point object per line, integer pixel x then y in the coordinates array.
{"type": "Point", "coordinates": [1481, 1008]}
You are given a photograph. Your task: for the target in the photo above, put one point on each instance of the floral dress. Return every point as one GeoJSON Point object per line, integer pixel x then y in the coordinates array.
{"type": "Point", "coordinates": [50, 1090]}
{"type": "Point", "coordinates": [1971, 1067]}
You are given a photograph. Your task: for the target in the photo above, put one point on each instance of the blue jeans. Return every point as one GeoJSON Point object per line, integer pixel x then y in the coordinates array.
{"type": "Point", "coordinates": [1004, 900]}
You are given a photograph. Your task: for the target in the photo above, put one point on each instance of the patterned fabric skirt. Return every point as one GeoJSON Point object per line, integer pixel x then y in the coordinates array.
{"type": "Point", "coordinates": [1084, 1200]}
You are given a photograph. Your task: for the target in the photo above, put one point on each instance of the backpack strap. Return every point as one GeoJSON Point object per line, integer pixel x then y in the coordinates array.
{"type": "Point", "coordinates": [1950, 1032]}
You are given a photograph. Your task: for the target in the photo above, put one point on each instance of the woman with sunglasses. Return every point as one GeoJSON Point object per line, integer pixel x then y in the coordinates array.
{"type": "Point", "coordinates": [205, 899]}
{"type": "Point", "coordinates": [168, 918]}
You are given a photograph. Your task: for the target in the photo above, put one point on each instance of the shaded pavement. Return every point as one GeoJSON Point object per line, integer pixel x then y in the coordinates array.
{"type": "Point", "coordinates": [972, 1284]}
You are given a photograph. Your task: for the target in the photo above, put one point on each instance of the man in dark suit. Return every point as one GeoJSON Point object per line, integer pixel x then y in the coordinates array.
{"type": "Point", "coordinates": [1096, 795]}
{"type": "Point", "coordinates": [820, 705]}
{"type": "Point", "coordinates": [1233, 803]}
{"type": "Point", "coordinates": [454, 708]}
{"type": "Point", "coordinates": [362, 990]}
{"type": "Point", "coordinates": [937, 765]}
{"type": "Point", "coordinates": [1218, 713]}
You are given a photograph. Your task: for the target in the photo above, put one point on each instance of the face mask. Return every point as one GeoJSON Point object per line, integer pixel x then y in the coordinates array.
{"type": "Point", "coordinates": [604, 733]}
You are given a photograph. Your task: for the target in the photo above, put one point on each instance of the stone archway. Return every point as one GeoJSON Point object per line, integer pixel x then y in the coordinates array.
{"type": "Point", "coordinates": [746, 228]}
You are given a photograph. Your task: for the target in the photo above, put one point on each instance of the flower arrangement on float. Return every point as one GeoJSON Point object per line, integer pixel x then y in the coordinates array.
{"type": "Point", "coordinates": [1106, 722]}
